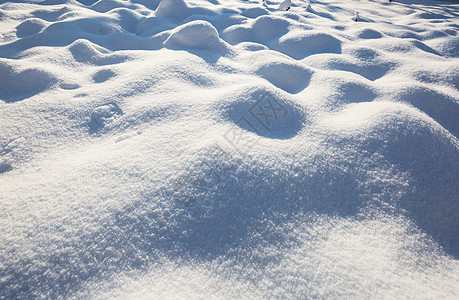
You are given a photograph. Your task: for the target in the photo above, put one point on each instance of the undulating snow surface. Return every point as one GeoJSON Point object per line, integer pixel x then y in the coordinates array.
{"type": "Point", "coordinates": [229, 149]}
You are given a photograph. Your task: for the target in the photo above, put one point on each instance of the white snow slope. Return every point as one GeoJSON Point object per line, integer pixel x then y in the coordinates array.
{"type": "Point", "coordinates": [229, 149]}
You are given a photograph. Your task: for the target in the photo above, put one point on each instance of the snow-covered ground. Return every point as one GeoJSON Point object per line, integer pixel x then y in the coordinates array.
{"type": "Point", "coordinates": [229, 149]}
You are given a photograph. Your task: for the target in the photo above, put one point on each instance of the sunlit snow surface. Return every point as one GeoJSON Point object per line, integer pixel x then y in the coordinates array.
{"type": "Point", "coordinates": [228, 149]}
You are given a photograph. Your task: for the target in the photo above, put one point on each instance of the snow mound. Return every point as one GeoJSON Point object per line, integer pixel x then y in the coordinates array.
{"type": "Point", "coordinates": [263, 29]}
{"type": "Point", "coordinates": [443, 108]}
{"type": "Point", "coordinates": [108, 5]}
{"type": "Point", "coordinates": [172, 9]}
{"type": "Point", "coordinates": [380, 127]}
{"type": "Point", "coordinates": [19, 84]}
{"type": "Point", "coordinates": [195, 35]}
{"type": "Point", "coordinates": [265, 113]}
{"type": "Point", "coordinates": [29, 27]}
{"type": "Point", "coordinates": [446, 46]}
{"type": "Point", "coordinates": [289, 76]}
{"type": "Point", "coordinates": [103, 75]}
{"type": "Point", "coordinates": [368, 33]}
{"type": "Point", "coordinates": [86, 52]}
{"type": "Point", "coordinates": [303, 44]}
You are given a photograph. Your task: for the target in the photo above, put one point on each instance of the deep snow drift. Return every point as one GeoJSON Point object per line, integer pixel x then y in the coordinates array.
{"type": "Point", "coordinates": [228, 149]}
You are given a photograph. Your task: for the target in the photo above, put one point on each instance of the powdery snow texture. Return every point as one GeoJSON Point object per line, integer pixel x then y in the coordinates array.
{"type": "Point", "coordinates": [229, 149]}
